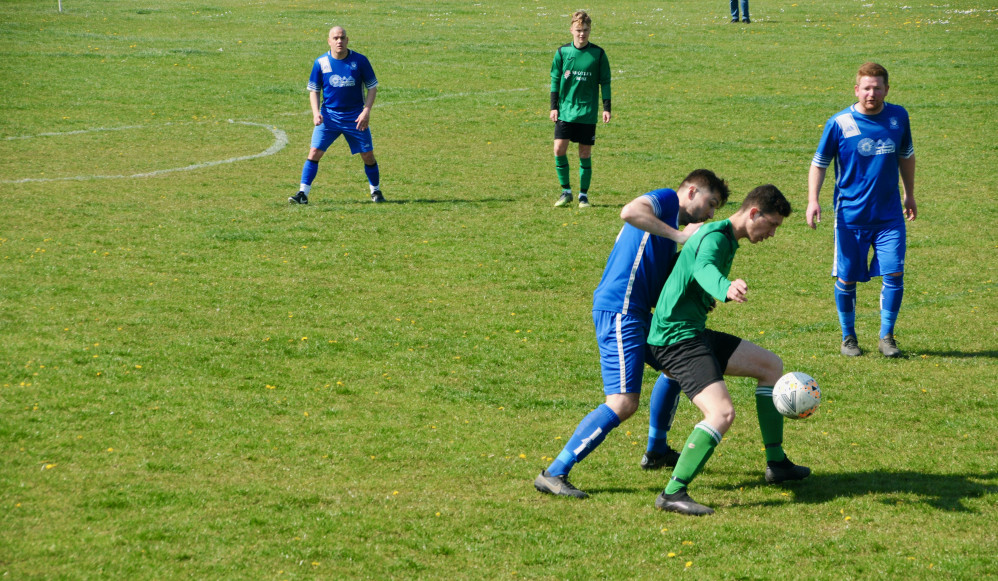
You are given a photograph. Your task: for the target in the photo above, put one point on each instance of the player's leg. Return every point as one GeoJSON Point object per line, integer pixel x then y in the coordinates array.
{"type": "Point", "coordinates": [849, 266]}
{"type": "Point", "coordinates": [751, 360]}
{"type": "Point", "coordinates": [585, 168]}
{"type": "Point", "coordinates": [322, 138]}
{"type": "Point", "coordinates": [701, 377]}
{"type": "Point", "coordinates": [621, 341]}
{"type": "Point", "coordinates": [561, 167]}
{"type": "Point", "coordinates": [719, 413]}
{"type": "Point", "coordinates": [889, 251]}
{"type": "Point", "coordinates": [662, 411]}
{"type": "Point", "coordinates": [745, 15]}
{"type": "Point", "coordinates": [361, 142]}
{"type": "Point", "coordinates": [733, 5]}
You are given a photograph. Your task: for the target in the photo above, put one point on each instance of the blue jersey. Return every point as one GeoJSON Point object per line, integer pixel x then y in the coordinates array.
{"type": "Point", "coordinates": [866, 149]}
{"type": "Point", "coordinates": [340, 82]}
{"type": "Point", "coordinates": [639, 263]}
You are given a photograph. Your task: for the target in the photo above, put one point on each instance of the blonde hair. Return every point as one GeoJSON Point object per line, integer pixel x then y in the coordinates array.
{"type": "Point", "coordinates": [582, 17]}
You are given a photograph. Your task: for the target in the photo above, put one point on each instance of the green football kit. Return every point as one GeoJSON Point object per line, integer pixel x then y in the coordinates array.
{"type": "Point", "coordinates": [699, 277]}
{"type": "Point", "coordinates": [577, 75]}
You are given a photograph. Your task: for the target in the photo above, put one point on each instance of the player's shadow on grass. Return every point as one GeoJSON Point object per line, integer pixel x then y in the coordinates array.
{"type": "Point", "coordinates": [333, 204]}
{"type": "Point", "coordinates": [959, 354]}
{"type": "Point", "coordinates": [942, 491]}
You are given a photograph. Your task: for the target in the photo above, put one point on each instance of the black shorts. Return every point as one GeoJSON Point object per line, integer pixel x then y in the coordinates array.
{"type": "Point", "coordinates": [699, 361]}
{"type": "Point", "coordinates": [581, 133]}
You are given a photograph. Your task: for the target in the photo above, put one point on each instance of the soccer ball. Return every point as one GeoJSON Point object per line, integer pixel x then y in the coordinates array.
{"type": "Point", "coordinates": [796, 395]}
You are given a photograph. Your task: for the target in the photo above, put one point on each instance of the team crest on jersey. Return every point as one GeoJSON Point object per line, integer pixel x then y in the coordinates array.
{"type": "Point", "coordinates": [894, 123]}
{"type": "Point", "coordinates": [353, 65]}
{"type": "Point", "coordinates": [568, 75]}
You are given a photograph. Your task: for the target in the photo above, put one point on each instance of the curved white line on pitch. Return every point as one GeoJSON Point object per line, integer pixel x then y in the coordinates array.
{"type": "Point", "coordinates": [280, 142]}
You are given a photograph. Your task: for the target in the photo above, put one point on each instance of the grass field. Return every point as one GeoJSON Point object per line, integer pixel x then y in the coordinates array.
{"type": "Point", "coordinates": [199, 380]}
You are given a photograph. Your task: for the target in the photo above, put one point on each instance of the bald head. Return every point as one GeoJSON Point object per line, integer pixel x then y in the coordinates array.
{"type": "Point", "coordinates": [338, 42]}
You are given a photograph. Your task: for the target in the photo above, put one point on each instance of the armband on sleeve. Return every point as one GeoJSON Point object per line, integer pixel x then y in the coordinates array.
{"type": "Point", "coordinates": [606, 105]}
{"type": "Point", "coordinates": [554, 100]}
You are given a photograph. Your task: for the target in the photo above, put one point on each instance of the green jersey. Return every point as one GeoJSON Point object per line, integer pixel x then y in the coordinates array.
{"type": "Point", "coordinates": [700, 275]}
{"type": "Point", "coordinates": [577, 74]}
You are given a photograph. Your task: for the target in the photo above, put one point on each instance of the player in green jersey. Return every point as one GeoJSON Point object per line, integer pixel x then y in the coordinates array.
{"type": "Point", "coordinates": [579, 71]}
{"type": "Point", "coordinates": [699, 357]}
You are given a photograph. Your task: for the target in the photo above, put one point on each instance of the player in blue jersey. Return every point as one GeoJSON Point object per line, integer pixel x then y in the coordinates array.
{"type": "Point", "coordinates": [871, 145]}
{"type": "Point", "coordinates": [635, 273]}
{"type": "Point", "coordinates": [340, 76]}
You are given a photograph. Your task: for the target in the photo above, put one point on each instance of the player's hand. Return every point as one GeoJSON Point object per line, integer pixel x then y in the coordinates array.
{"type": "Point", "coordinates": [317, 119]}
{"type": "Point", "coordinates": [554, 115]}
{"type": "Point", "coordinates": [910, 210]}
{"type": "Point", "coordinates": [606, 116]}
{"type": "Point", "coordinates": [689, 231]}
{"type": "Point", "coordinates": [737, 290]}
{"type": "Point", "coordinates": [813, 214]}
{"type": "Point", "coordinates": [363, 119]}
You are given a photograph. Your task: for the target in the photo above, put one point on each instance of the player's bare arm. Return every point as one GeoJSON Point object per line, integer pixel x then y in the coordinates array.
{"type": "Point", "coordinates": [364, 119]}
{"type": "Point", "coordinates": [815, 177]}
{"type": "Point", "coordinates": [907, 166]}
{"type": "Point", "coordinates": [313, 99]}
{"type": "Point", "coordinates": [641, 214]}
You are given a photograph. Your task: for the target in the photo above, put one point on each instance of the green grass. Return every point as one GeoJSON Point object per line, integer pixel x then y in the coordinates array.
{"type": "Point", "coordinates": [198, 380]}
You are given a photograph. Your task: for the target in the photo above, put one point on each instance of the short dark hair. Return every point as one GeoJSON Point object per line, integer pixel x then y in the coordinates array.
{"type": "Point", "coordinates": [704, 178]}
{"type": "Point", "coordinates": [769, 199]}
{"type": "Point", "coordinates": [871, 69]}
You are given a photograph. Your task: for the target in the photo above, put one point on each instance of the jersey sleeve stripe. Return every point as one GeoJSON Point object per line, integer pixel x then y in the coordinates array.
{"type": "Point", "coordinates": [821, 161]}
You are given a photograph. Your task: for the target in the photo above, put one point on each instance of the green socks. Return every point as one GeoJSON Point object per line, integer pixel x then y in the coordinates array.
{"type": "Point", "coordinates": [770, 424]}
{"type": "Point", "coordinates": [585, 173]}
{"type": "Point", "coordinates": [561, 166]}
{"type": "Point", "coordinates": [697, 450]}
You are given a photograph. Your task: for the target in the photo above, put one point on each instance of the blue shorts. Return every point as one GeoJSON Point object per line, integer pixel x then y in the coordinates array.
{"type": "Point", "coordinates": [852, 248]}
{"type": "Point", "coordinates": [324, 135]}
{"type": "Point", "coordinates": [623, 350]}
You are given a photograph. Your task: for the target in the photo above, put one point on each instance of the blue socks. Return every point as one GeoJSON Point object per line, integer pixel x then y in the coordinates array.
{"type": "Point", "coordinates": [664, 399]}
{"type": "Point", "coordinates": [845, 303]}
{"type": "Point", "coordinates": [890, 303]}
{"type": "Point", "coordinates": [308, 172]}
{"type": "Point", "coordinates": [590, 433]}
{"type": "Point", "coordinates": [373, 175]}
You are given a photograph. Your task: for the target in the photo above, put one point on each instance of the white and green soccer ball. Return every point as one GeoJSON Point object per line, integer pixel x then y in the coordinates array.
{"type": "Point", "coordinates": [796, 395]}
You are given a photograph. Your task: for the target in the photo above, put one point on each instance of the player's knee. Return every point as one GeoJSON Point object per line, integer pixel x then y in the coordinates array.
{"type": "Point", "coordinates": [722, 418]}
{"type": "Point", "coordinates": [771, 369]}
{"type": "Point", "coordinates": [624, 405]}
{"type": "Point", "coordinates": [315, 154]}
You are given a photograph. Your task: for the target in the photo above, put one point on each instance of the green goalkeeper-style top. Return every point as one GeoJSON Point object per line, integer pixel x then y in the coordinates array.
{"type": "Point", "coordinates": [700, 275]}
{"type": "Point", "coordinates": [577, 74]}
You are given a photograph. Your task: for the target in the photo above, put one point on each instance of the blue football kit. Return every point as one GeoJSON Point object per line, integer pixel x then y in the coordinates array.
{"type": "Point", "coordinates": [635, 273]}
{"type": "Point", "coordinates": [341, 82]}
{"type": "Point", "coordinates": [867, 205]}
{"type": "Point", "coordinates": [866, 149]}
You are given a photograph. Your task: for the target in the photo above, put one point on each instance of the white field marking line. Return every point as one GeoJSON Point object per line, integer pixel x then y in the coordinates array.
{"type": "Point", "coordinates": [280, 142]}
